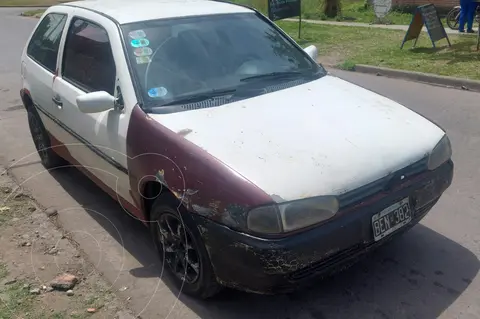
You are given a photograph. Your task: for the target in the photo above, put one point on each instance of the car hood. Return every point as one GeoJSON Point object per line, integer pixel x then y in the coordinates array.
{"type": "Point", "coordinates": [325, 137]}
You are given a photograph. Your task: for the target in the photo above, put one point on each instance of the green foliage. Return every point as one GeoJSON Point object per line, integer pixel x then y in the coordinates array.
{"type": "Point", "coordinates": [346, 65]}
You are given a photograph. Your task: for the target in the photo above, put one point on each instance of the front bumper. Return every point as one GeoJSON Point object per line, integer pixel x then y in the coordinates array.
{"type": "Point", "coordinates": [281, 265]}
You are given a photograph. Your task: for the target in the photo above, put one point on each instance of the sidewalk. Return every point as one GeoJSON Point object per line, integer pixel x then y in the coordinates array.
{"type": "Point", "coordinates": [367, 25]}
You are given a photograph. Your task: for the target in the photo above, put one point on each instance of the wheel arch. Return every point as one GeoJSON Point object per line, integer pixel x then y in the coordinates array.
{"type": "Point", "coordinates": [150, 191]}
{"type": "Point", "coordinates": [27, 99]}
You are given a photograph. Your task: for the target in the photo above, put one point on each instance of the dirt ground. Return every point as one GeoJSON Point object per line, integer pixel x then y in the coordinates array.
{"type": "Point", "coordinates": [33, 252]}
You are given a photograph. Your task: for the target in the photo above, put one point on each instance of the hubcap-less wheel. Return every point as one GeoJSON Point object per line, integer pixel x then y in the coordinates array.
{"type": "Point", "coordinates": [453, 18]}
{"type": "Point", "coordinates": [178, 248]}
{"type": "Point", "coordinates": [38, 137]}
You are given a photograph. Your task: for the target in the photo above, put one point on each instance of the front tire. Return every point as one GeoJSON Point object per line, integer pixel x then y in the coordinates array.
{"type": "Point", "coordinates": [453, 18]}
{"type": "Point", "coordinates": [180, 247]}
{"type": "Point", "coordinates": [40, 137]}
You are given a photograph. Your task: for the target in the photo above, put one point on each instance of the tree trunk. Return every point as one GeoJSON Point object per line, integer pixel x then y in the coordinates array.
{"type": "Point", "coordinates": [332, 8]}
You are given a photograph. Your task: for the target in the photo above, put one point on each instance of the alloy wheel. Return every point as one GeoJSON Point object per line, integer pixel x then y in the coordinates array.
{"type": "Point", "coordinates": [178, 248]}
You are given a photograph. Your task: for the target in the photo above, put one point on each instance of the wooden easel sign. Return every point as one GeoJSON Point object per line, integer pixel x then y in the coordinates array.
{"type": "Point", "coordinates": [426, 15]}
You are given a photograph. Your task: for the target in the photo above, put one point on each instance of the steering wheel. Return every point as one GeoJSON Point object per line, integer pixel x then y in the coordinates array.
{"type": "Point", "coordinates": [158, 61]}
{"type": "Point", "coordinates": [249, 65]}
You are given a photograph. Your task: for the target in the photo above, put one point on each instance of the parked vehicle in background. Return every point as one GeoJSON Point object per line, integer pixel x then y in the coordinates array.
{"type": "Point", "coordinates": [252, 167]}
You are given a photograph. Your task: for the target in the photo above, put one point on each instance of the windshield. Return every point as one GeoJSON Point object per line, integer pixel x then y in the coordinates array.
{"type": "Point", "coordinates": [189, 60]}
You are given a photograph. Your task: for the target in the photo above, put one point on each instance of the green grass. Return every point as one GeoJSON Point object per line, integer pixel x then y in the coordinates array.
{"type": "Point", "coordinates": [33, 13]}
{"type": "Point", "coordinates": [347, 65]}
{"type": "Point", "coordinates": [17, 302]}
{"type": "Point", "coordinates": [348, 46]}
{"type": "Point", "coordinates": [352, 11]}
{"type": "Point", "coordinates": [3, 271]}
{"type": "Point", "coordinates": [355, 11]}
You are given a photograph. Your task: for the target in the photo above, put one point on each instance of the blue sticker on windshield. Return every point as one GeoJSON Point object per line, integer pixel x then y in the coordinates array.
{"type": "Point", "coordinates": [157, 92]}
{"type": "Point", "coordinates": [138, 43]}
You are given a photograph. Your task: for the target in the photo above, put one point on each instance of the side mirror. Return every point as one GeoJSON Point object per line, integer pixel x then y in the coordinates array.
{"type": "Point", "coordinates": [312, 51]}
{"type": "Point", "coordinates": [95, 102]}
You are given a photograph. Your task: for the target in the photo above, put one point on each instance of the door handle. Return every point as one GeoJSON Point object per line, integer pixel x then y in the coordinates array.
{"type": "Point", "coordinates": [57, 101]}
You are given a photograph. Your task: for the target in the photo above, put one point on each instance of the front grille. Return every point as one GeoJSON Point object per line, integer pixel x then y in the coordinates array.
{"type": "Point", "coordinates": [341, 260]}
{"type": "Point", "coordinates": [385, 184]}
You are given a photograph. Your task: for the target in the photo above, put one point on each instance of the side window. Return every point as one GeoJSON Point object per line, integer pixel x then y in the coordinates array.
{"type": "Point", "coordinates": [87, 59]}
{"type": "Point", "coordinates": [43, 47]}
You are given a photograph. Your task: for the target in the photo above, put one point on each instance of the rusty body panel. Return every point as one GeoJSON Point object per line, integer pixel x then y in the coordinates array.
{"type": "Point", "coordinates": [284, 264]}
{"type": "Point", "coordinates": [201, 182]}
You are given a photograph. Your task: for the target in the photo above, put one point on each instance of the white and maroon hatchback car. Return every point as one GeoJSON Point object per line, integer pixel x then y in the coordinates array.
{"type": "Point", "coordinates": [252, 167]}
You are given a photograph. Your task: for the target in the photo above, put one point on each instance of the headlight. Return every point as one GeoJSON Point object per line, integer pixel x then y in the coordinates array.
{"type": "Point", "coordinates": [285, 217]}
{"type": "Point", "coordinates": [440, 154]}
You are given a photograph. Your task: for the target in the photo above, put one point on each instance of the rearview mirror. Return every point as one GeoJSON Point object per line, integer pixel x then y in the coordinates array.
{"type": "Point", "coordinates": [95, 102]}
{"type": "Point", "coordinates": [312, 51]}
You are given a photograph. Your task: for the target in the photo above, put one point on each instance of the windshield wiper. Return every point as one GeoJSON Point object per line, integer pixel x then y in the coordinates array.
{"type": "Point", "coordinates": [198, 97]}
{"type": "Point", "coordinates": [273, 75]}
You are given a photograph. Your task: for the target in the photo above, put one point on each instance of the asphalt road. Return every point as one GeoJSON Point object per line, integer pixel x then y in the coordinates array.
{"type": "Point", "coordinates": [430, 272]}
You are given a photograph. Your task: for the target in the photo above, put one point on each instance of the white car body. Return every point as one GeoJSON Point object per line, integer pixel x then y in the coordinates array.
{"type": "Point", "coordinates": [272, 174]}
{"type": "Point", "coordinates": [327, 130]}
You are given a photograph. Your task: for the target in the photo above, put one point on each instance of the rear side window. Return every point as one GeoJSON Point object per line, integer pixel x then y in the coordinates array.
{"type": "Point", "coordinates": [87, 59]}
{"type": "Point", "coordinates": [43, 47]}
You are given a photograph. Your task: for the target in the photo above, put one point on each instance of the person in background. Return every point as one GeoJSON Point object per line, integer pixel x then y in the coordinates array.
{"type": "Point", "coordinates": [467, 13]}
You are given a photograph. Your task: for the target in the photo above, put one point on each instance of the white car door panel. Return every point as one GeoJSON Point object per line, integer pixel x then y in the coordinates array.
{"type": "Point", "coordinates": [96, 140]}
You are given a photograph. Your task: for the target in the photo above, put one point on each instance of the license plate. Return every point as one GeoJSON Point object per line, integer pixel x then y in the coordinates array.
{"type": "Point", "coordinates": [391, 218]}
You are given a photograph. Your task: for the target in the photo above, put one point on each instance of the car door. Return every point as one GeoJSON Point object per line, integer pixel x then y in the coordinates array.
{"type": "Point", "coordinates": [97, 141]}
{"type": "Point", "coordinates": [39, 64]}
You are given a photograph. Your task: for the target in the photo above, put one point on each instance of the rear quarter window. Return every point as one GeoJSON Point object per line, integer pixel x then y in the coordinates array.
{"type": "Point", "coordinates": [45, 41]}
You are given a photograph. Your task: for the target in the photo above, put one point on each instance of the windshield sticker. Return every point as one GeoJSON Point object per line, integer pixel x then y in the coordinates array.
{"type": "Point", "coordinates": [157, 92]}
{"type": "Point", "coordinates": [138, 43]}
{"type": "Point", "coordinates": [143, 59]}
{"type": "Point", "coordinates": [137, 34]}
{"type": "Point", "coordinates": [143, 51]}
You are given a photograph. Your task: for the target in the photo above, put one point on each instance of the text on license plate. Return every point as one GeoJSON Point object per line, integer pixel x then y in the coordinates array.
{"type": "Point", "coordinates": [391, 218]}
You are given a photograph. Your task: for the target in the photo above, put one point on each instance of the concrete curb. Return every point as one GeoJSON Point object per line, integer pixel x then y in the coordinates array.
{"type": "Point", "coordinates": [428, 78]}
{"type": "Point", "coordinates": [36, 16]}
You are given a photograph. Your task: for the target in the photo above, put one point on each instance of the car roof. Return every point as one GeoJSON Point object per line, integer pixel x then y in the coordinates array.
{"type": "Point", "coordinates": [127, 11]}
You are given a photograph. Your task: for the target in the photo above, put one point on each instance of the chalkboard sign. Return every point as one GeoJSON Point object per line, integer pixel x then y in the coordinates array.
{"type": "Point", "coordinates": [282, 9]}
{"type": "Point", "coordinates": [426, 15]}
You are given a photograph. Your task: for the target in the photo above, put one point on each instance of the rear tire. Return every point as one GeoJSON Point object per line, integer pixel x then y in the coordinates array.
{"type": "Point", "coordinates": [40, 137]}
{"type": "Point", "coordinates": [453, 18]}
{"type": "Point", "coordinates": [181, 249]}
